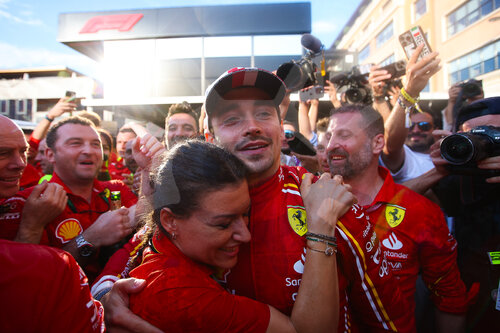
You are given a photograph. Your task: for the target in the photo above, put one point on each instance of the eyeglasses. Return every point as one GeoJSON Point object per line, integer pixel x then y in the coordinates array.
{"type": "Point", "coordinates": [423, 126]}
{"type": "Point", "coordinates": [289, 134]}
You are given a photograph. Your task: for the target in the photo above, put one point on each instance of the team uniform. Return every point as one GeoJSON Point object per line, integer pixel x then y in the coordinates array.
{"type": "Point", "coordinates": [77, 216]}
{"type": "Point", "coordinates": [414, 237]}
{"type": "Point", "coordinates": [182, 295]}
{"type": "Point", "coordinates": [270, 267]}
{"type": "Point", "coordinates": [44, 290]}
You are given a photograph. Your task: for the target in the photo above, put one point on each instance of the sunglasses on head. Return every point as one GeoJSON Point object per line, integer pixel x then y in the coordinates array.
{"type": "Point", "coordinates": [422, 125]}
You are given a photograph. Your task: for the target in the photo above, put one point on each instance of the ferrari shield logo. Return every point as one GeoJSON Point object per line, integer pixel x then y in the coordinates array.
{"type": "Point", "coordinates": [394, 215]}
{"type": "Point", "coordinates": [297, 219]}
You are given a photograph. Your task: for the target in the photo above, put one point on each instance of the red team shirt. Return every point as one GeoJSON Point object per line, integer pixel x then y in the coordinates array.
{"type": "Point", "coordinates": [270, 267]}
{"type": "Point", "coordinates": [117, 170]}
{"type": "Point", "coordinates": [44, 290]}
{"type": "Point", "coordinates": [414, 237]}
{"type": "Point", "coordinates": [77, 216]}
{"type": "Point", "coordinates": [182, 296]}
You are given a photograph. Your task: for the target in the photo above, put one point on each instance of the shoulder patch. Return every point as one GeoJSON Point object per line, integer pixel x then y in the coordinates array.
{"type": "Point", "coordinates": [394, 215]}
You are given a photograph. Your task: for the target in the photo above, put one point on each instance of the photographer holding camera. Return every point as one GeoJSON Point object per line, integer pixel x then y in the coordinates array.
{"type": "Point", "coordinates": [470, 195]}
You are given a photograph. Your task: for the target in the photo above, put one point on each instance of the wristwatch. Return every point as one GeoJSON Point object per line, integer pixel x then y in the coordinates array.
{"type": "Point", "coordinates": [85, 249]}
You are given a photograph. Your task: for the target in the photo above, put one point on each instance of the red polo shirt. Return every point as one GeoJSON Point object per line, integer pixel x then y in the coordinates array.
{"type": "Point", "coordinates": [182, 296]}
{"type": "Point", "coordinates": [76, 217]}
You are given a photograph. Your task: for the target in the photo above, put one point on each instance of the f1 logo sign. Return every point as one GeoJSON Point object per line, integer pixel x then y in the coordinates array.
{"type": "Point", "coordinates": [120, 22]}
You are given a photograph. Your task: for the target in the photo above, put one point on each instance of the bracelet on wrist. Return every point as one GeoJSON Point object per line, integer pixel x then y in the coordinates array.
{"type": "Point", "coordinates": [321, 241]}
{"type": "Point", "coordinates": [49, 119]}
{"type": "Point", "coordinates": [321, 236]}
{"type": "Point", "coordinates": [328, 251]}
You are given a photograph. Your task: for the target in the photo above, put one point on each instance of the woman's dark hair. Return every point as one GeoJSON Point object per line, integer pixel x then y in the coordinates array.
{"type": "Point", "coordinates": [188, 173]}
{"type": "Point", "coordinates": [192, 170]}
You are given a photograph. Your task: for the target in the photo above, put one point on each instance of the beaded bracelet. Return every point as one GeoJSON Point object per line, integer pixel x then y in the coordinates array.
{"type": "Point", "coordinates": [325, 237]}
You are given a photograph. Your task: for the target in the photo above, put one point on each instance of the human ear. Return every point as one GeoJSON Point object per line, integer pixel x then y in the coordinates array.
{"type": "Point", "coordinates": [49, 153]}
{"type": "Point", "coordinates": [168, 220]}
{"type": "Point", "coordinates": [378, 143]}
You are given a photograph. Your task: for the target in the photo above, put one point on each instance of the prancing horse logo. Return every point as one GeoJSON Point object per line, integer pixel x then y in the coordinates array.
{"type": "Point", "coordinates": [298, 219]}
{"type": "Point", "coordinates": [394, 215]}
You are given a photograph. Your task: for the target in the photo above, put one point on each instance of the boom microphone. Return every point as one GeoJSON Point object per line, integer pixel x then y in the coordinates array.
{"type": "Point", "coordinates": [311, 43]}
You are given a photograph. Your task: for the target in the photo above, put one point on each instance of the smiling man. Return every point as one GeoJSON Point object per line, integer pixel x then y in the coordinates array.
{"type": "Point", "coordinates": [181, 124]}
{"type": "Point", "coordinates": [74, 148]}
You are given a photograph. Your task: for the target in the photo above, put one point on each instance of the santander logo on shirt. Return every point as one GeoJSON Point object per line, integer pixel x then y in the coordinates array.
{"type": "Point", "coordinates": [392, 242]}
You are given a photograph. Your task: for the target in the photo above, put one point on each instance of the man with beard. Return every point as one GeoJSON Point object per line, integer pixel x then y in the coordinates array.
{"type": "Point", "coordinates": [420, 137]}
{"type": "Point", "coordinates": [181, 124]}
{"type": "Point", "coordinates": [243, 116]}
{"type": "Point", "coordinates": [412, 230]}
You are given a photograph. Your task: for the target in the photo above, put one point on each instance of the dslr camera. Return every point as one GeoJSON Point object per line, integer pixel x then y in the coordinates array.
{"type": "Point", "coordinates": [464, 150]}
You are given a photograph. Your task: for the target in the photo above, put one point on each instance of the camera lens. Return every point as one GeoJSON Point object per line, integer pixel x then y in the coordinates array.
{"type": "Point", "coordinates": [457, 149]}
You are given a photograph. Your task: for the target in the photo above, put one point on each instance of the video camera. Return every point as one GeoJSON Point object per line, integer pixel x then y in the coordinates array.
{"type": "Point", "coordinates": [308, 71]}
{"type": "Point", "coordinates": [464, 150]}
{"type": "Point", "coordinates": [358, 90]}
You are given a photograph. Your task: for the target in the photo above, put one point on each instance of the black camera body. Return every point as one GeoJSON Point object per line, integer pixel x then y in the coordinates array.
{"type": "Point", "coordinates": [464, 150]}
{"type": "Point", "coordinates": [471, 88]}
{"type": "Point", "coordinates": [302, 73]}
{"type": "Point", "coordinates": [305, 72]}
{"type": "Point", "coordinates": [357, 90]}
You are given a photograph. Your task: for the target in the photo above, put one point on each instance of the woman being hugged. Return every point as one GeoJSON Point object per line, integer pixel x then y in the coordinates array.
{"type": "Point", "coordinates": [201, 206]}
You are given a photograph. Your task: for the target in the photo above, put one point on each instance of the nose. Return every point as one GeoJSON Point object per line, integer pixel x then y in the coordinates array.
{"type": "Point", "coordinates": [332, 144]}
{"type": "Point", "coordinates": [253, 126]}
{"type": "Point", "coordinates": [242, 234]}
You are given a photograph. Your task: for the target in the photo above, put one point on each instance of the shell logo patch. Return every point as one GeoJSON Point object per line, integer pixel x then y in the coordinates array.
{"type": "Point", "coordinates": [394, 215]}
{"type": "Point", "coordinates": [297, 219]}
{"type": "Point", "coordinates": [68, 229]}
{"type": "Point", "coordinates": [107, 192]}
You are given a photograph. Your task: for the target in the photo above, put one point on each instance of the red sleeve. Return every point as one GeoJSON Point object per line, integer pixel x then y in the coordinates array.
{"type": "Point", "coordinates": [43, 289]}
{"type": "Point", "coordinates": [202, 310]}
{"type": "Point", "coordinates": [438, 259]}
{"type": "Point", "coordinates": [34, 143]}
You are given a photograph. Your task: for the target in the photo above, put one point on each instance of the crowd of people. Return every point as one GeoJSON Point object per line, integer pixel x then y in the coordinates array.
{"type": "Point", "coordinates": [240, 221]}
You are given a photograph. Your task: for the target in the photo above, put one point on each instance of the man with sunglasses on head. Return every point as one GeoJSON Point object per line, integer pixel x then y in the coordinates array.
{"type": "Point", "coordinates": [86, 223]}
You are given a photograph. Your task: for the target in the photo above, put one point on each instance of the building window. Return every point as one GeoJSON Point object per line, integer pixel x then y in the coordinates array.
{"type": "Point", "coordinates": [386, 5]}
{"type": "Point", "coordinates": [364, 53]}
{"type": "Point", "coordinates": [473, 64]}
{"type": "Point", "coordinates": [420, 8]}
{"type": "Point", "coordinates": [385, 35]}
{"type": "Point", "coordinates": [468, 13]}
{"type": "Point", "coordinates": [387, 61]}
